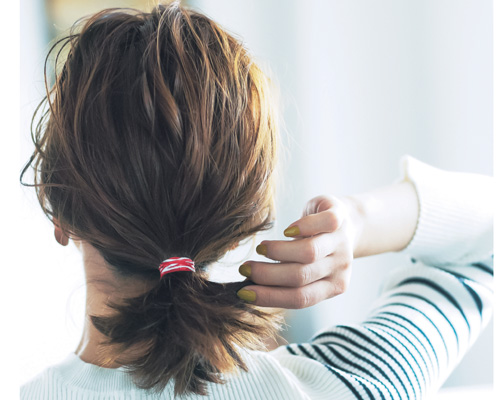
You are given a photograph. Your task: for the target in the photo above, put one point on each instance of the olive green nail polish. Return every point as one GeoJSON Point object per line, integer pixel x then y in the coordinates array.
{"type": "Point", "coordinates": [245, 270]}
{"type": "Point", "coordinates": [292, 231]}
{"type": "Point", "coordinates": [261, 249]}
{"type": "Point", "coordinates": [246, 295]}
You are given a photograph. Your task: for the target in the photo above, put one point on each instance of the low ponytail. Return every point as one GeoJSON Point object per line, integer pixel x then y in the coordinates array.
{"type": "Point", "coordinates": [189, 328]}
{"type": "Point", "coordinates": [159, 139]}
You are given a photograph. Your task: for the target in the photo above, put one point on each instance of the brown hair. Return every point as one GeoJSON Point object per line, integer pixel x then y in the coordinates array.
{"type": "Point", "coordinates": [158, 139]}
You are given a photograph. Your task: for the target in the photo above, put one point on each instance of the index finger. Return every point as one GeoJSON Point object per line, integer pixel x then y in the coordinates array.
{"type": "Point", "coordinates": [323, 222]}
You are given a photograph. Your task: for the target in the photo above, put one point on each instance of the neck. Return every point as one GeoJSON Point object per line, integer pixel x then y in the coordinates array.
{"type": "Point", "coordinates": [91, 349]}
{"type": "Point", "coordinates": [102, 288]}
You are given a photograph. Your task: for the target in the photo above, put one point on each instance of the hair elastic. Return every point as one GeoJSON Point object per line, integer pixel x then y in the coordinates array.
{"type": "Point", "coordinates": [176, 264]}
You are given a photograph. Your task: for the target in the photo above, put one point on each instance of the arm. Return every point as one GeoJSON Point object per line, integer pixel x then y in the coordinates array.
{"type": "Point", "coordinates": [316, 265]}
{"type": "Point", "coordinates": [429, 315]}
{"type": "Point", "coordinates": [386, 218]}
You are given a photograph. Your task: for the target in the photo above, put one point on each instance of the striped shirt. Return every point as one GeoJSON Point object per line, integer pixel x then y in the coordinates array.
{"type": "Point", "coordinates": [427, 317]}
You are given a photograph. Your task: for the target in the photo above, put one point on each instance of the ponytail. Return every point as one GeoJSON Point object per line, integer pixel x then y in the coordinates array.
{"type": "Point", "coordinates": [189, 329]}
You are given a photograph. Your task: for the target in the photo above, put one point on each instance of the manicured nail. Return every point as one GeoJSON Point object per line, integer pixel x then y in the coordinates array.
{"type": "Point", "coordinates": [261, 249]}
{"type": "Point", "coordinates": [246, 295]}
{"type": "Point", "coordinates": [292, 231]}
{"type": "Point", "coordinates": [245, 270]}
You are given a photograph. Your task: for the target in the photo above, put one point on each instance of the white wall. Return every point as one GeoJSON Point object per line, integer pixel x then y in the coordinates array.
{"type": "Point", "coordinates": [52, 299]}
{"type": "Point", "coordinates": [362, 83]}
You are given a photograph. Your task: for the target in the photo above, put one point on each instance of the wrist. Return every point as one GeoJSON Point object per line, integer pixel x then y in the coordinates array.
{"type": "Point", "coordinates": [385, 219]}
{"type": "Point", "coordinates": [356, 206]}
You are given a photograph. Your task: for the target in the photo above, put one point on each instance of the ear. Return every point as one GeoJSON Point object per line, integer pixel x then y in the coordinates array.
{"type": "Point", "coordinates": [60, 236]}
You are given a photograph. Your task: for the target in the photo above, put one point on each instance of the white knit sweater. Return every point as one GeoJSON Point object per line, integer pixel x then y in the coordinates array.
{"type": "Point", "coordinates": [426, 319]}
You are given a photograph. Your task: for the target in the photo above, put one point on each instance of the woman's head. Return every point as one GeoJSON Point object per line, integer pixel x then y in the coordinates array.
{"type": "Point", "coordinates": [160, 141]}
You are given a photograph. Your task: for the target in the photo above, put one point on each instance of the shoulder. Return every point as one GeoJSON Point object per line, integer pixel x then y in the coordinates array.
{"type": "Point", "coordinates": [304, 377]}
{"type": "Point", "coordinates": [265, 378]}
{"type": "Point", "coordinates": [39, 387]}
{"type": "Point", "coordinates": [271, 375]}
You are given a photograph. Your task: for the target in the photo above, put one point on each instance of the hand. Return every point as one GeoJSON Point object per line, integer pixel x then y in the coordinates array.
{"type": "Point", "coordinates": [314, 266]}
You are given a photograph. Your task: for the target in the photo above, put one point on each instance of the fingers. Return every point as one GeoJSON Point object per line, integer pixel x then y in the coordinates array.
{"type": "Point", "coordinates": [318, 204]}
{"type": "Point", "coordinates": [296, 298]}
{"type": "Point", "coordinates": [292, 274]}
{"type": "Point", "coordinates": [322, 216]}
{"type": "Point", "coordinates": [293, 285]}
{"type": "Point", "coordinates": [312, 268]}
{"type": "Point", "coordinates": [304, 251]}
{"type": "Point", "coordinates": [324, 222]}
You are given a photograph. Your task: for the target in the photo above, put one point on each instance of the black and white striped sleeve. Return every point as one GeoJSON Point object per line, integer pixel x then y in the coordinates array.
{"type": "Point", "coordinates": [429, 314]}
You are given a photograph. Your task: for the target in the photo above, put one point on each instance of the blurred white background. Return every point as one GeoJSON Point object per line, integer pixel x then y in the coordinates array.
{"type": "Point", "coordinates": [362, 82]}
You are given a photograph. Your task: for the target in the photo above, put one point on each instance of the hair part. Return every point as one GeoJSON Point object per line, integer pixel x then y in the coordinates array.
{"type": "Point", "coordinates": [159, 139]}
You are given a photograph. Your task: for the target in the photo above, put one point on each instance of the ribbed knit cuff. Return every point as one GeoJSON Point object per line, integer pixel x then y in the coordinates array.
{"type": "Point", "coordinates": [455, 222]}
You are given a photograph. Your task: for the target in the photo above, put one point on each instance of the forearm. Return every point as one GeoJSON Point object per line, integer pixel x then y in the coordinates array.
{"type": "Point", "coordinates": [428, 316]}
{"type": "Point", "coordinates": [385, 219]}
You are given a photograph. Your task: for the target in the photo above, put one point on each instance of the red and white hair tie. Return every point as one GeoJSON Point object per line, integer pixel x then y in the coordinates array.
{"type": "Point", "coordinates": [176, 264]}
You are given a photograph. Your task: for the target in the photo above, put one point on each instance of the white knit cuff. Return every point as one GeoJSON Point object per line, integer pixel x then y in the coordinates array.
{"type": "Point", "coordinates": [455, 223]}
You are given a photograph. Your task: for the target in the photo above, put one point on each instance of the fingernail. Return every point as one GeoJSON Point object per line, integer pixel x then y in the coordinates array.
{"type": "Point", "coordinates": [245, 270]}
{"type": "Point", "coordinates": [246, 295]}
{"type": "Point", "coordinates": [292, 231]}
{"type": "Point", "coordinates": [261, 249]}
